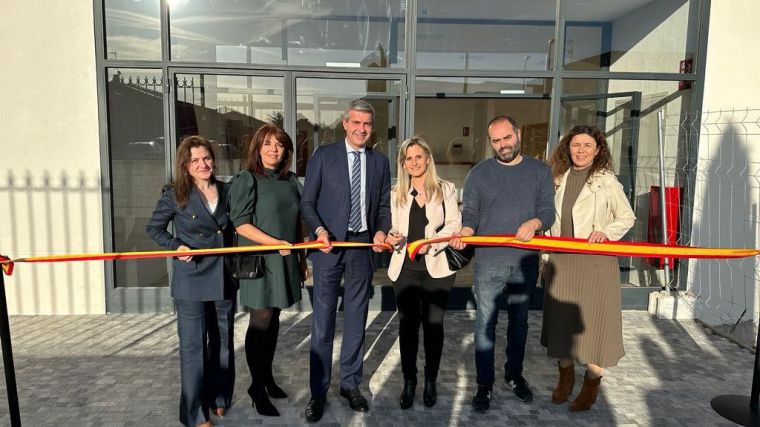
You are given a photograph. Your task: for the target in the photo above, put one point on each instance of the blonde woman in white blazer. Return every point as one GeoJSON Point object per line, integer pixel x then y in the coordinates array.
{"type": "Point", "coordinates": [582, 319]}
{"type": "Point", "coordinates": [422, 206]}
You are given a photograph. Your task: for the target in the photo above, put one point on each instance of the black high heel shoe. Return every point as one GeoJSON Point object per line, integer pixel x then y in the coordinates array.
{"type": "Point", "coordinates": [274, 391]}
{"type": "Point", "coordinates": [407, 394]}
{"type": "Point", "coordinates": [429, 395]}
{"type": "Point", "coordinates": [260, 401]}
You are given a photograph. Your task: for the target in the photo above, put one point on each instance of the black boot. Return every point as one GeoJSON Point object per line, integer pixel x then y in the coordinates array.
{"type": "Point", "coordinates": [272, 333]}
{"type": "Point", "coordinates": [256, 347]}
{"type": "Point", "coordinates": [407, 394]}
{"type": "Point", "coordinates": [430, 395]}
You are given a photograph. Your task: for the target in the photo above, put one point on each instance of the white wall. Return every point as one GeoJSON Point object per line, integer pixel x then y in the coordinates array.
{"type": "Point", "coordinates": [728, 191]}
{"type": "Point", "coordinates": [50, 184]}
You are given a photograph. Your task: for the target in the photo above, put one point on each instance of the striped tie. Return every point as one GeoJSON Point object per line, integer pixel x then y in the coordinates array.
{"type": "Point", "coordinates": [355, 220]}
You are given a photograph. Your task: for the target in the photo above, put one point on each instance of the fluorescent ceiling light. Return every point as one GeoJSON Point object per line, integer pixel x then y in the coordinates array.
{"type": "Point", "coordinates": [512, 91]}
{"type": "Point", "coordinates": [344, 64]}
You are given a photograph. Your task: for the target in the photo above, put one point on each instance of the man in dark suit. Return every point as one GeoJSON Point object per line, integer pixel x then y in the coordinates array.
{"type": "Point", "coordinates": [346, 197]}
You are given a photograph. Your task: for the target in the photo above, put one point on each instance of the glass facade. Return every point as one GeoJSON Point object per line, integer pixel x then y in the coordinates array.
{"type": "Point", "coordinates": [637, 35]}
{"type": "Point", "coordinates": [362, 34]}
{"type": "Point", "coordinates": [440, 69]}
{"type": "Point", "coordinates": [498, 35]}
{"type": "Point", "coordinates": [133, 30]}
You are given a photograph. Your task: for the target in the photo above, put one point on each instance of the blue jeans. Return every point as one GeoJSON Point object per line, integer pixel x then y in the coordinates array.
{"type": "Point", "coordinates": [491, 282]}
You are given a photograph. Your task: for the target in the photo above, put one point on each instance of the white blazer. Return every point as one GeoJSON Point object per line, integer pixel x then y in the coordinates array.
{"type": "Point", "coordinates": [435, 259]}
{"type": "Point", "coordinates": [600, 206]}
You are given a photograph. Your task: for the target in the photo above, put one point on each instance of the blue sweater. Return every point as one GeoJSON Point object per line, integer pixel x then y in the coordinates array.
{"type": "Point", "coordinates": [498, 198]}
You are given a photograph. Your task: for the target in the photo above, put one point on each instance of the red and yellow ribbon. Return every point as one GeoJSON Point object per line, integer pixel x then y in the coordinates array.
{"type": "Point", "coordinates": [8, 263]}
{"type": "Point", "coordinates": [582, 246]}
{"type": "Point", "coordinates": [558, 244]}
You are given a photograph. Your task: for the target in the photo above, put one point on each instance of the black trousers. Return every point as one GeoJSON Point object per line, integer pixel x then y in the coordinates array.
{"type": "Point", "coordinates": [421, 299]}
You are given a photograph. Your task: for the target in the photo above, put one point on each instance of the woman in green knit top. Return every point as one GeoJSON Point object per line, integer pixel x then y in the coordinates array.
{"type": "Point", "coordinates": [264, 201]}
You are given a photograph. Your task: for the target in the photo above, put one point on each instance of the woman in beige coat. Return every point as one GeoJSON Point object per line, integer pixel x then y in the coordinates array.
{"type": "Point", "coordinates": [582, 319]}
{"type": "Point", "coordinates": [422, 206]}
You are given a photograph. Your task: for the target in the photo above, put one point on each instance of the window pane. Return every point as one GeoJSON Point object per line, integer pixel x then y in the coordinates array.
{"type": "Point", "coordinates": [320, 110]}
{"type": "Point", "coordinates": [133, 29]}
{"type": "Point", "coordinates": [320, 33]}
{"type": "Point", "coordinates": [227, 110]}
{"type": "Point", "coordinates": [136, 143]}
{"type": "Point", "coordinates": [625, 35]}
{"type": "Point", "coordinates": [467, 104]}
{"type": "Point", "coordinates": [626, 110]}
{"type": "Point", "coordinates": [504, 35]}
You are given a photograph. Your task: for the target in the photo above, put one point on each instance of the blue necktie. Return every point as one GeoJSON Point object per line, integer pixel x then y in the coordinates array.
{"type": "Point", "coordinates": [355, 220]}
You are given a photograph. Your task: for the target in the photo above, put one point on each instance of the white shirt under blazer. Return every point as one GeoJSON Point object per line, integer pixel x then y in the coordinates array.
{"type": "Point", "coordinates": [435, 259]}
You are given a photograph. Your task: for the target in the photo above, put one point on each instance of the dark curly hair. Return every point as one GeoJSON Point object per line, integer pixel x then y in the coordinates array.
{"type": "Point", "coordinates": [560, 160]}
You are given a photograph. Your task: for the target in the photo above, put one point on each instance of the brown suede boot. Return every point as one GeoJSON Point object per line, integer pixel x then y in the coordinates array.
{"type": "Point", "coordinates": [565, 384]}
{"type": "Point", "coordinates": [588, 394]}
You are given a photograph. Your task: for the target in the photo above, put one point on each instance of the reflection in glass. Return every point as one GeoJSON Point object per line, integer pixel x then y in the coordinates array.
{"type": "Point", "coordinates": [626, 110]}
{"type": "Point", "coordinates": [136, 145]}
{"type": "Point", "coordinates": [227, 110]}
{"type": "Point", "coordinates": [133, 29]}
{"type": "Point", "coordinates": [303, 32]}
{"type": "Point", "coordinates": [625, 35]}
{"type": "Point", "coordinates": [505, 35]}
{"type": "Point", "coordinates": [321, 103]}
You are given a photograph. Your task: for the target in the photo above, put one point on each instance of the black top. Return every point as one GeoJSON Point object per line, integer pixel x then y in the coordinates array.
{"type": "Point", "coordinates": [417, 222]}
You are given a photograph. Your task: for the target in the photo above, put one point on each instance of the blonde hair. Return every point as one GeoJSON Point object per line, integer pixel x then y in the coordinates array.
{"type": "Point", "coordinates": [433, 188]}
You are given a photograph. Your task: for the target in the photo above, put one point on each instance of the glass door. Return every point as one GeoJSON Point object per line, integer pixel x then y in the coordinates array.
{"type": "Point", "coordinates": [321, 101]}
{"type": "Point", "coordinates": [227, 109]}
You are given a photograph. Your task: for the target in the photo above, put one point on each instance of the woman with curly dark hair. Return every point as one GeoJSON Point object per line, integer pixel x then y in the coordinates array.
{"type": "Point", "coordinates": [582, 319]}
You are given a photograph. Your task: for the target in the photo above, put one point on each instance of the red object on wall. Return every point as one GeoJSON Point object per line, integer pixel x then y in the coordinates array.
{"type": "Point", "coordinates": [654, 229]}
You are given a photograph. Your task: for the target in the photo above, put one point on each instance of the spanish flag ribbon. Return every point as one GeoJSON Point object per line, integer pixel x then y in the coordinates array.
{"type": "Point", "coordinates": [8, 263]}
{"type": "Point", "coordinates": [582, 246]}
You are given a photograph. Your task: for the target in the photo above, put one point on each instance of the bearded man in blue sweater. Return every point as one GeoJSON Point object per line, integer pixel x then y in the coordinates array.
{"type": "Point", "coordinates": [506, 194]}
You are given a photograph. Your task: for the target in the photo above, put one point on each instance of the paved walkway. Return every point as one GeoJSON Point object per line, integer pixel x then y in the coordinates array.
{"type": "Point", "coordinates": [123, 370]}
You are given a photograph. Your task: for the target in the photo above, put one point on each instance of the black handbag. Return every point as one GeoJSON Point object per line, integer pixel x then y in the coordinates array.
{"type": "Point", "coordinates": [248, 266]}
{"type": "Point", "coordinates": [457, 259]}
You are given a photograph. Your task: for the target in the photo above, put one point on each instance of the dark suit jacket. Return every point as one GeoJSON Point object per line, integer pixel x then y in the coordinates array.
{"type": "Point", "coordinates": [326, 199]}
{"type": "Point", "coordinates": [205, 278]}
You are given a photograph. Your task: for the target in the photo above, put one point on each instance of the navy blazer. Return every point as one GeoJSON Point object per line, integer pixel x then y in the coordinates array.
{"type": "Point", "coordinates": [326, 199]}
{"type": "Point", "coordinates": [204, 278]}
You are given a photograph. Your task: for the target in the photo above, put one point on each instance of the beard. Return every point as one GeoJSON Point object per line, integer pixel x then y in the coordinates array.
{"type": "Point", "coordinates": [507, 155]}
